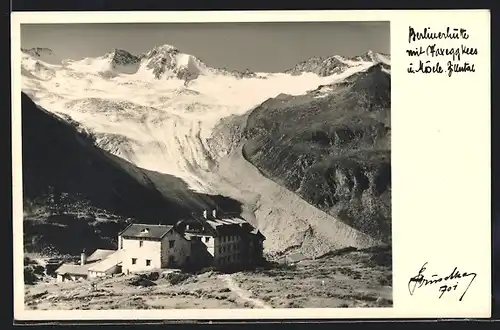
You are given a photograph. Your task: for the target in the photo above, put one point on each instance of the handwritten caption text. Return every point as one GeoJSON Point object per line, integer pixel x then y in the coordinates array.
{"type": "Point", "coordinates": [432, 58]}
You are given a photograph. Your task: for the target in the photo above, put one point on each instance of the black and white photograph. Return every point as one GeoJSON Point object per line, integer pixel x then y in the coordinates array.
{"type": "Point", "coordinates": [206, 165]}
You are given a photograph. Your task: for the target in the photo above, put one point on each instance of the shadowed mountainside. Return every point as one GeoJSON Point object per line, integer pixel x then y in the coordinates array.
{"type": "Point", "coordinates": [330, 146]}
{"type": "Point", "coordinates": [73, 188]}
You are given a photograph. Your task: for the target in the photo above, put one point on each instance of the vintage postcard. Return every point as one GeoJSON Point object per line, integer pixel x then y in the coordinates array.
{"type": "Point", "coordinates": [251, 165]}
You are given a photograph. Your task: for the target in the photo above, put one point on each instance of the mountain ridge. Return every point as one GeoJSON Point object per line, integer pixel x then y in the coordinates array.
{"type": "Point", "coordinates": [166, 135]}
{"type": "Point", "coordinates": [331, 146]}
{"type": "Point", "coordinates": [162, 58]}
{"type": "Point", "coordinates": [65, 174]}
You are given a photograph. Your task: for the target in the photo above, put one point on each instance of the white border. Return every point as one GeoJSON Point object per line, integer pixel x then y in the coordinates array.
{"type": "Point", "coordinates": [462, 237]}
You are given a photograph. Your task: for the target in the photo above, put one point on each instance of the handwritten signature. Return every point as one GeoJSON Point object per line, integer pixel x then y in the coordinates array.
{"type": "Point", "coordinates": [455, 276]}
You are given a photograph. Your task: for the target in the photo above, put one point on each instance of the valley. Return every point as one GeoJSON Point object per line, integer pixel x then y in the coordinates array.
{"type": "Point", "coordinates": [302, 155]}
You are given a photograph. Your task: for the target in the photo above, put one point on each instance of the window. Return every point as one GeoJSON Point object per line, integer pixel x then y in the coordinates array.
{"type": "Point", "coordinates": [220, 249]}
{"type": "Point", "coordinates": [141, 243]}
{"type": "Point", "coordinates": [171, 244]}
{"type": "Point", "coordinates": [207, 239]}
{"type": "Point", "coordinates": [148, 262]}
{"type": "Point", "coordinates": [134, 261]}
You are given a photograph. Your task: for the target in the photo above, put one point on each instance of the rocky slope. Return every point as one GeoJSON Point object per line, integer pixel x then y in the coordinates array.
{"type": "Point", "coordinates": [337, 64]}
{"type": "Point", "coordinates": [330, 146]}
{"type": "Point", "coordinates": [161, 62]}
{"type": "Point", "coordinates": [320, 66]}
{"type": "Point", "coordinates": [309, 169]}
{"type": "Point", "coordinates": [43, 54]}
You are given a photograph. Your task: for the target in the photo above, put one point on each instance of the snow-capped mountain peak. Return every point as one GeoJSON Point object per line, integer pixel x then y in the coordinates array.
{"type": "Point", "coordinates": [121, 57]}
{"type": "Point", "coordinates": [42, 54]}
{"type": "Point", "coordinates": [322, 66]}
{"type": "Point", "coordinates": [337, 64]}
{"type": "Point", "coordinates": [161, 50]}
{"type": "Point", "coordinates": [38, 51]}
{"type": "Point", "coordinates": [375, 57]}
{"type": "Point", "coordinates": [166, 61]}
{"type": "Point", "coordinates": [180, 137]}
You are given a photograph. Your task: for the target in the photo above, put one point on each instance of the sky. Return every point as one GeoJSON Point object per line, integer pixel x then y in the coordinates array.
{"type": "Point", "coordinates": [264, 47]}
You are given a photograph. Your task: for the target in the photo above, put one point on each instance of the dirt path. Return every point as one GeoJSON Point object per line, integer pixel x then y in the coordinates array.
{"type": "Point", "coordinates": [243, 294]}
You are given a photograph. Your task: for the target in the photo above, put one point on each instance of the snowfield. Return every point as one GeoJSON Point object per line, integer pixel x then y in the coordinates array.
{"type": "Point", "coordinates": [166, 121]}
{"type": "Point", "coordinates": [158, 110]}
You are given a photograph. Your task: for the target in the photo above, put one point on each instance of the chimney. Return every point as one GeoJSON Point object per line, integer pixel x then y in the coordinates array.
{"type": "Point", "coordinates": [83, 258]}
{"type": "Point", "coordinates": [214, 213]}
{"type": "Point", "coordinates": [205, 214]}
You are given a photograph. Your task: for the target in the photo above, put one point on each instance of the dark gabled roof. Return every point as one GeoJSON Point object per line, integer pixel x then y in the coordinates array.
{"type": "Point", "coordinates": [146, 231]}
{"type": "Point", "coordinates": [226, 223]}
{"type": "Point", "coordinates": [258, 233]}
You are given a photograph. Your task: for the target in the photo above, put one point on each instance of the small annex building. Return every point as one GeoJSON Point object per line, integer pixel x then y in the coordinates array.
{"type": "Point", "coordinates": [100, 263]}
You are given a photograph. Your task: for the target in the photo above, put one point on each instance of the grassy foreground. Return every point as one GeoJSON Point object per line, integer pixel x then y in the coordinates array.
{"type": "Point", "coordinates": [349, 279]}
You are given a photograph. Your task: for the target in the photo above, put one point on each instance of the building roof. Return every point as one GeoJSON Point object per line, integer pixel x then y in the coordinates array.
{"type": "Point", "coordinates": [146, 231]}
{"type": "Point", "coordinates": [224, 224]}
{"type": "Point", "coordinates": [217, 222]}
{"type": "Point", "coordinates": [99, 261]}
{"type": "Point", "coordinates": [107, 263]}
{"type": "Point", "coordinates": [257, 232]}
{"type": "Point", "coordinates": [73, 269]}
{"type": "Point", "coordinates": [99, 254]}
